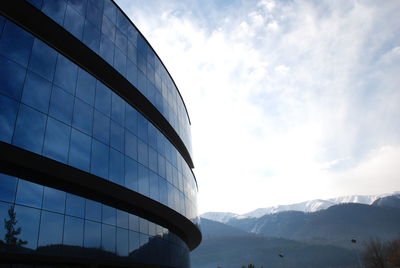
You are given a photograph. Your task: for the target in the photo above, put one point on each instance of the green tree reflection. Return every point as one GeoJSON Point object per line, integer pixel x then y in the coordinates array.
{"type": "Point", "coordinates": [10, 238]}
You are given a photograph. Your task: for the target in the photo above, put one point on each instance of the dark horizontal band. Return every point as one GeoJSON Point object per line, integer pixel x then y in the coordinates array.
{"type": "Point", "coordinates": [40, 25]}
{"type": "Point", "coordinates": [36, 168]}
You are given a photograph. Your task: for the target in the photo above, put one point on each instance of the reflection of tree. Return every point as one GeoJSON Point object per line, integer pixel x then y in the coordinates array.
{"type": "Point", "coordinates": [10, 238]}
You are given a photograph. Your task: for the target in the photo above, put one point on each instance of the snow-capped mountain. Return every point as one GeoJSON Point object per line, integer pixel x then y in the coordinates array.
{"type": "Point", "coordinates": [307, 206]}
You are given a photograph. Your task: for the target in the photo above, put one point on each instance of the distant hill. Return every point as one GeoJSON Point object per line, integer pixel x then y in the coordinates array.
{"type": "Point", "coordinates": [388, 201]}
{"type": "Point", "coordinates": [216, 229]}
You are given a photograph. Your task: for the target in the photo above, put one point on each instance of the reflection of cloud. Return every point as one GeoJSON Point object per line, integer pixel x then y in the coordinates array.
{"type": "Point", "coordinates": [335, 97]}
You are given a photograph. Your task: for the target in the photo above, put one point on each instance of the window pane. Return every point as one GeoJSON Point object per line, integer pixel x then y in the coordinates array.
{"type": "Point", "coordinates": [66, 73]}
{"type": "Point", "coordinates": [133, 241]}
{"type": "Point", "coordinates": [118, 109]}
{"type": "Point", "coordinates": [133, 222]}
{"type": "Point", "coordinates": [12, 78]}
{"type": "Point", "coordinates": [73, 231]}
{"type": "Point", "coordinates": [56, 141]}
{"type": "Point", "coordinates": [8, 115]}
{"type": "Point", "coordinates": [79, 151]}
{"type": "Point", "coordinates": [108, 234]}
{"type": "Point", "coordinates": [131, 70]}
{"type": "Point", "coordinates": [143, 155]}
{"type": "Point", "coordinates": [28, 220]}
{"type": "Point", "coordinates": [131, 119]}
{"type": "Point", "coordinates": [54, 200]}
{"type": "Point", "coordinates": [94, 15]}
{"type": "Point", "coordinates": [153, 159]}
{"type": "Point", "coordinates": [85, 87]}
{"type": "Point", "coordinates": [143, 180]}
{"type": "Point", "coordinates": [122, 219]}
{"type": "Point", "coordinates": [99, 159]}
{"type": "Point", "coordinates": [117, 136]}
{"type": "Point", "coordinates": [91, 34]}
{"type": "Point", "coordinates": [101, 127]}
{"type": "Point", "coordinates": [43, 60]}
{"type": "Point", "coordinates": [122, 242]}
{"type": "Point", "coordinates": [73, 22]}
{"type": "Point", "coordinates": [110, 11]}
{"type": "Point", "coordinates": [29, 193]}
{"type": "Point", "coordinates": [154, 186]}
{"type": "Point", "coordinates": [55, 9]}
{"type": "Point", "coordinates": [103, 99]}
{"type": "Point", "coordinates": [92, 234]}
{"type": "Point", "coordinates": [131, 174]}
{"type": "Point", "coordinates": [107, 49]}
{"type": "Point", "coordinates": [51, 228]}
{"type": "Point", "coordinates": [116, 167]}
{"type": "Point", "coordinates": [130, 145]}
{"type": "Point", "coordinates": [83, 117]}
{"type": "Point", "coordinates": [8, 188]}
{"type": "Point", "coordinates": [75, 205]}
{"type": "Point", "coordinates": [109, 215]}
{"type": "Point", "coordinates": [93, 210]}
{"type": "Point", "coordinates": [120, 61]}
{"type": "Point", "coordinates": [121, 41]}
{"type": "Point", "coordinates": [61, 105]}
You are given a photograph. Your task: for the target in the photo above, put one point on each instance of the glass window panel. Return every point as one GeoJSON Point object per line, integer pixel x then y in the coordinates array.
{"type": "Point", "coordinates": [2, 22]}
{"type": "Point", "coordinates": [117, 136]}
{"type": "Point", "coordinates": [116, 167]}
{"type": "Point", "coordinates": [142, 127]}
{"type": "Point", "coordinates": [122, 22]}
{"type": "Point", "coordinates": [51, 228]}
{"type": "Point", "coordinates": [93, 210]}
{"type": "Point", "coordinates": [15, 43]}
{"type": "Point", "coordinates": [168, 171]}
{"type": "Point", "coordinates": [99, 159]}
{"type": "Point", "coordinates": [132, 52]}
{"type": "Point", "coordinates": [101, 127]}
{"type": "Point", "coordinates": [29, 129]}
{"type": "Point", "coordinates": [108, 29]}
{"type": "Point", "coordinates": [134, 222]}
{"type": "Point", "coordinates": [56, 142]}
{"type": "Point", "coordinates": [161, 166]}
{"type": "Point", "coordinates": [134, 241]}
{"type": "Point", "coordinates": [94, 14]}
{"type": "Point", "coordinates": [8, 115]}
{"type": "Point", "coordinates": [103, 99]}
{"type": "Point", "coordinates": [118, 109]}
{"type": "Point", "coordinates": [54, 200]}
{"type": "Point", "coordinates": [61, 105]}
{"type": "Point", "coordinates": [96, 3]}
{"type": "Point", "coordinates": [133, 35]}
{"type": "Point", "coordinates": [152, 132]}
{"type": "Point", "coordinates": [83, 117]}
{"type": "Point", "coordinates": [153, 159]}
{"type": "Point", "coordinates": [55, 9]}
{"type": "Point", "coordinates": [109, 215]}
{"type": "Point", "coordinates": [131, 70]}
{"type": "Point", "coordinates": [29, 193]}
{"type": "Point", "coordinates": [79, 151]}
{"type": "Point", "coordinates": [110, 10]}
{"type": "Point", "coordinates": [122, 219]}
{"type": "Point", "coordinates": [12, 78]}
{"type": "Point", "coordinates": [121, 41]}
{"type": "Point", "coordinates": [131, 118]}
{"type": "Point", "coordinates": [120, 62]}
{"type": "Point", "coordinates": [75, 205]}
{"type": "Point", "coordinates": [108, 234]}
{"type": "Point", "coordinates": [153, 185]}
{"type": "Point", "coordinates": [43, 60]}
{"type": "Point", "coordinates": [85, 87]}
{"type": "Point", "coordinates": [8, 187]}
{"type": "Point", "coordinates": [142, 83]}
{"type": "Point", "coordinates": [144, 239]}
{"type": "Point", "coordinates": [36, 3]}
{"type": "Point", "coordinates": [143, 154]}
{"type": "Point", "coordinates": [131, 145]}
{"type": "Point", "coordinates": [4, 216]}
{"type": "Point", "coordinates": [92, 237]}
{"type": "Point", "coordinates": [73, 231]}
{"type": "Point", "coordinates": [107, 49]}
{"type": "Point", "coordinates": [28, 219]}
{"type": "Point", "coordinates": [131, 173]}
{"type": "Point", "coordinates": [36, 92]}
{"type": "Point", "coordinates": [79, 5]}
{"type": "Point", "coordinates": [66, 73]}
{"type": "Point", "coordinates": [122, 242]}
{"type": "Point", "coordinates": [92, 35]}
{"type": "Point", "coordinates": [142, 63]}
{"type": "Point", "coordinates": [143, 180]}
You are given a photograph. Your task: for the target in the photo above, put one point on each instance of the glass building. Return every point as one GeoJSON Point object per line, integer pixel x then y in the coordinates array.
{"type": "Point", "coordinates": [95, 150]}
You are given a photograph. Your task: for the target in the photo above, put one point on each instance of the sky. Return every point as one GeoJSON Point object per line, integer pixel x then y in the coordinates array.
{"type": "Point", "coordinates": [289, 100]}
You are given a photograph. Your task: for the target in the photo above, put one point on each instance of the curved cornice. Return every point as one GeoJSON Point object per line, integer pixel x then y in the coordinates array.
{"type": "Point", "coordinates": [33, 167]}
{"type": "Point", "coordinates": [40, 25]}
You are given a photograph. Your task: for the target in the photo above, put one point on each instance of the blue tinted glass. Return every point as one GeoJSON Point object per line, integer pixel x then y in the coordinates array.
{"type": "Point", "coordinates": [132, 52]}
{"type": "Point", "coordinates": [120, 62]}
{"type": "Point", "coordinates": [131, 174]}
{"type": "Point", "coordinates": [73, 22]}
{"type": "Point", "coordinates": [79, 5]}
{"type": "Point", "coordinates": [122, 22]}
{"type": "Point", "coordinates": [162, 185]}
{"type": "Point", "coordinates": [36, 3]}
{"type": "Point", "coordinates": [92, 234]}
{"type": "Point", "coordinates": [56, 141]}
{"type": "Point", "coordinates": [94, 15]}
{"type": "Point", "coordinates": [28, 220]}
{"type": "Point", "coordinates": [121, 41]}
{"type": "Point", "coordinates": [66, 73]}
{"type": "Point", "coordinates": [73, 231]}
{"type": "Point", "coordinates": [2, 22]}
{"type": "Point", "coordinates": [110, 11]}
{"type": "Point", "coordinates": [161, 166]}
{"type": "Point", "coordinates": [122, 219]}
{"type": "Point", "coordinates": [83, 117]}
{"type": "Point", "coordinates": [8, 114]}
{"type": "Point", "coordinates": [131, 145]}
{"type": "Point", "coordinates": [133, 222]}
{"type": "Point", "coordinates": [143, 180]}
{"type": "Point", "coordinates": [122, 242]}
{"type": "Point", "coordinates": [116, 167]}
{"type": "Point", "coordinates": [101, 127]}
{"type": "Point", "coordinates": [107, 49]}
{"type": "Point", "coordinates": [15, 43]}
{"type": "Point", "coordinates": [91, 36]}
{"type": "Point", "coordinates": [118, 109]}
{"type": "Point", "coordinates": [29, 129]}
{"type": "Point", "coordinates": [109, 215]}
{"type": "Point", "coordinates": [43, 60]}
{"type": "Point", "coordinates": [79, 151]}
{"type": "Point", "coordinates": [142, 83]}
{"type": "Point", "coordinates": [61, 105]}
{"type": "Point", "coordinates": [5, 208]}
{"type": "Point", "coordinates": [142, 45]}
{"type": "Point", "coordinates": [144, 226]}
{"type": "Point", "coordinates": [153, 165]}
{"type": "Point", "coordinates": [8, 187]}
{"type": "Point", "coordinates": [131, 70]}
{"type": "Point", "coordinates": [51, 228]}
{"type": "Point", "coordinates": [36, 92]}
{"type": "Point", "coordinates": [53, 200]}
{"type": "Point", "coordinates": [96, 3]}
{"type": "Point", "coordinates": [85, 87]}
{"type": "Point", "coordinates": [55, 9]}
{"type": "Point", "coordinates": [133, 241]}
{"type": "Point", "coordinates": [99, 159]}
{"type": "Point", "coordinates": [152, 131]}
{"type": "Point", "coordinates": [12, 78]}
{"type": "Point", "coordinates": [153, 185]}
{"type": "Point", "coordinates": [108, 29]}
{"type": "Point", "coordinates": [29, 193]}
{"type": "Point", "coordinates": [142, 127]}
{"type": "Point", "coordinates": [144, 239]}
{"type": "Point", "coordinates": [108, 234]}
{"type": "Point", "coordinates": [93, 210]}
{"type": "Point", "coordinates": [131, 118]}
{"type": "Point", "coordinates": [103, 99]}
{"type": "Point", "coordinates": [133, 35]}
{"type": "Point", "coordinates": [75, 205]}
{"type": "Point", "coordinates": [141, 63]}
{"type": "Point", "coordinates": [143, 154]}
{"type": "Point", "coordinates": [117, 136]}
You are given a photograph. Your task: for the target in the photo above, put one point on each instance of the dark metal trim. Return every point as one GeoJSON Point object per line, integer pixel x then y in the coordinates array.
{"type": "Point", "coordinates": [33, 167]}
{"type": "Point", "coordinates": [40, 25]}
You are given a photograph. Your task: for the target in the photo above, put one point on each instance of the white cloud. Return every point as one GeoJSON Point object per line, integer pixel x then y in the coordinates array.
{"type": "Point", "coordinates": [290, 115]}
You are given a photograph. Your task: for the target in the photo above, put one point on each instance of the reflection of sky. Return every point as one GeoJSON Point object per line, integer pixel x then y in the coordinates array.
{"type": "Point", "coordinates": [289, 100]}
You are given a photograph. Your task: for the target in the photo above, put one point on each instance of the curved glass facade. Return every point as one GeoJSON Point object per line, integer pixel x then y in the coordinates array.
{"type": "Point", "coordinates": [52, 107]}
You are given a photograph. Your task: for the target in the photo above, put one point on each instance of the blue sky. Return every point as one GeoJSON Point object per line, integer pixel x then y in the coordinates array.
{"type": "Point", "coordinates": [289, 100]}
